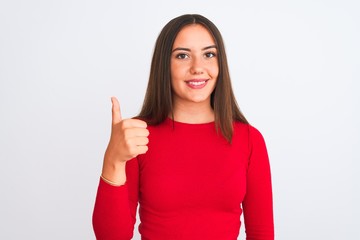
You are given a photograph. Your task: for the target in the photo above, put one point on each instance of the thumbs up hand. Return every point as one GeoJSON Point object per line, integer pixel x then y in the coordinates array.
{"type": "Point", "coordinates": [129, 138]}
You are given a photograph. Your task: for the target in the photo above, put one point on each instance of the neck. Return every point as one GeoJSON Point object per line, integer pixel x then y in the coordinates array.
{"type": "Point", "coordinates": [193, 112]}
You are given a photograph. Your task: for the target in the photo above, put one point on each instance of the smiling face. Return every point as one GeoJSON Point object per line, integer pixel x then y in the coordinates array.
{"type": "Point", "coordinates": [194, 66]}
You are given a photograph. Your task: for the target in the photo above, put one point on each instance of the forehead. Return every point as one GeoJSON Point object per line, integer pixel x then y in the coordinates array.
{"type": "Point", "coordinates": [194, 34]}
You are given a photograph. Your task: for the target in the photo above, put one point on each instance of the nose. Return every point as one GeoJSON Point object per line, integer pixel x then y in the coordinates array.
{"type": "Point", "coordinates": [196, 66]}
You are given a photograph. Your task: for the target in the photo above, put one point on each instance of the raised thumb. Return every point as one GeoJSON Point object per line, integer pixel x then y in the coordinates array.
{"type": "Point", "coordinates": [116, 113]}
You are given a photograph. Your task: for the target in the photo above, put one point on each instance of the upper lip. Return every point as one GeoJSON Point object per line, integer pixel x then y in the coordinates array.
{"type": "Point", "coordinates": [197, 80]}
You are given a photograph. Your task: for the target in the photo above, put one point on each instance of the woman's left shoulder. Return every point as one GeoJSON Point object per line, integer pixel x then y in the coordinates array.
{"type": "Point", "coordinates": [248, 130]}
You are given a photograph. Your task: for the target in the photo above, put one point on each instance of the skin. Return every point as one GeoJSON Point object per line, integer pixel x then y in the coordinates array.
{"type": "Point", "coordinates": [193, 59]}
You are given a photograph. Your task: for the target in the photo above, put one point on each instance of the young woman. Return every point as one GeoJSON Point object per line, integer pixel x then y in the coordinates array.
{"type": "Point", "coordinates": [190, 159]}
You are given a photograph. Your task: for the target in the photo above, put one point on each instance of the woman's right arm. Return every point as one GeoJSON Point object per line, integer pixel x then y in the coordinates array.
{"type": "Point", "coordinates": [115, 207]}
{"type": "Point", "coordinates": [117, 196]}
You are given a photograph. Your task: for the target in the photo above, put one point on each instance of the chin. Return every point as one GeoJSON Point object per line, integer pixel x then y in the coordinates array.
{"type": "Point", "coordinates": [200, 99]}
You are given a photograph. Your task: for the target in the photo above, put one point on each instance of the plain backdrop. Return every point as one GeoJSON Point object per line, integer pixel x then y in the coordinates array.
{"type": "Point", "coordinates": [295, 72]}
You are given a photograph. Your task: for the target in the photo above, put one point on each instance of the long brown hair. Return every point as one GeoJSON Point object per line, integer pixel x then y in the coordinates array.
{"type": "Point", "coordinates": [158, 105]}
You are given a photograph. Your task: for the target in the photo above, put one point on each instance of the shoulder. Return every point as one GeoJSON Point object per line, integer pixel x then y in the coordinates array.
{"type": "Point", "coordinates": [246, 128]}
{"type": "Point", "coordinates": [255, 134]}
{"type": "Point", "coordinates": [248, 132]}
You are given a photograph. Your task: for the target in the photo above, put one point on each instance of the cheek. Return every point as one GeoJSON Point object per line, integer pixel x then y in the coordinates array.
{"type": "Point", "coordinates": [171, 70]}
{"type": "Point", "coordinates": [178, 71]}
{"type": "Point", "coordinates": [174, 70]}
{"type": "Point", "coordinates": [214, 70]}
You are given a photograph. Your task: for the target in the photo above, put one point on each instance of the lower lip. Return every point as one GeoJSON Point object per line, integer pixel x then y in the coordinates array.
{"type": "Point", "coordinates": [197, 86]}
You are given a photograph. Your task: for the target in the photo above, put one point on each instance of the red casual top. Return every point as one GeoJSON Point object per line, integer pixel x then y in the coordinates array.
{"type": "Point", "coordinates": [191, 184]}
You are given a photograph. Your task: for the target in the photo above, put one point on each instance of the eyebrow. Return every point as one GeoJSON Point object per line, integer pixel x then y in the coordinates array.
{"type": "Point", "coordinates": [188, 49]}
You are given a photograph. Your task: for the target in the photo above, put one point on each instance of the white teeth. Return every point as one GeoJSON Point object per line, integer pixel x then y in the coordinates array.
{"type": "Point", "coordinates": [196, 83]}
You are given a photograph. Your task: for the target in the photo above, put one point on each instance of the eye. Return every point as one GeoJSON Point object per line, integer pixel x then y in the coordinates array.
{"type": "Point", "coordinates": [210, 54]}
{"type": "Point", "coordinates": [181, 56]}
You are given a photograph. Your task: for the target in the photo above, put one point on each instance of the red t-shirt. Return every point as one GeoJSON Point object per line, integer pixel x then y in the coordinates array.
{"type": "Point", "coordinates": [191, 184]}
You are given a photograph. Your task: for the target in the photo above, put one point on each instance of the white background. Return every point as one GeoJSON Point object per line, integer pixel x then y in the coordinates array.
{"type": "Point", "coordinates": [295, 72]}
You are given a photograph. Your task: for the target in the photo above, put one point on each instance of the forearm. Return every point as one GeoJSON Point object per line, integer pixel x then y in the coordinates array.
{"type": "Point", "coordinates": [112, 216]}
{"type": "Point", "coordinates": [115, 206]}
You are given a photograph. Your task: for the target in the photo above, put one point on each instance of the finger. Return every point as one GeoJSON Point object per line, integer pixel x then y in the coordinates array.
{"type": "Point", "coordinates": [116, 113]}
{"type": "Point", "coordinates": [135, 132]}
{"type": "Point", "coordinates": [141, 141]}
{"type": "Point", "coordinates": [134, 123]}
{"type": "Point", "coordinates": [132, 143]}
{"type": "Point", "coordinates": [142, 149]}
{"type": "Point", "coordinates": [136, 150]}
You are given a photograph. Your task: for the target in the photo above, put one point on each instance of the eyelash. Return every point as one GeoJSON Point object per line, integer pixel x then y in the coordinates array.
{"type": "Point", "coordinates": [184, 55]}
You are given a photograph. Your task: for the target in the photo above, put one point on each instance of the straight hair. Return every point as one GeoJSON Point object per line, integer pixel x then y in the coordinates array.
{"type": "Point", "coordinates": [158, 104]}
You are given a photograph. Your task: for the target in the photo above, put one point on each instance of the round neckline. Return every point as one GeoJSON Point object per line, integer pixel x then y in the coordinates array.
{"type": "Point", "coordinates": [177, 123]}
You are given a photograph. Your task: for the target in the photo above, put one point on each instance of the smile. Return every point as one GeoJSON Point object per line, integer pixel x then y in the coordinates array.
{"type": "Point", "coordinates": [197, 83]}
